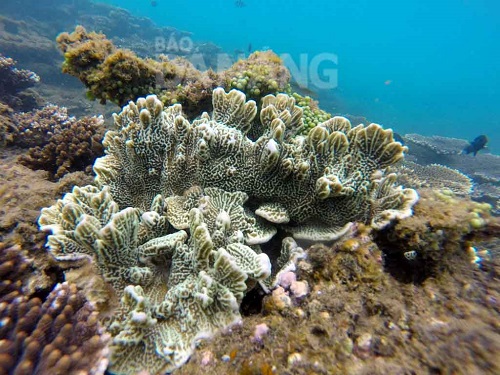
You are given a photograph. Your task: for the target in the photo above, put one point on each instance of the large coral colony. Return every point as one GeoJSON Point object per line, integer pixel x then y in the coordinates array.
{"type": "Point", "coordinates": [208, 188]}
{"type": "Point", "coordinates": [182, 211]}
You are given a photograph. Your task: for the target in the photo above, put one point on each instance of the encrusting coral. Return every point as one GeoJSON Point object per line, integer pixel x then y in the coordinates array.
{"type": "Point", "coordinates": [61, 335]}
{"type": "Point", "coordinates": [176, 287]}
{"type": "Point", "coordinates": [118, 75]}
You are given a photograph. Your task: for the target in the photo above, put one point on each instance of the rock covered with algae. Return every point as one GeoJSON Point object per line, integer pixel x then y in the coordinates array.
{"type": "Point", "coordinates": [181, 210]}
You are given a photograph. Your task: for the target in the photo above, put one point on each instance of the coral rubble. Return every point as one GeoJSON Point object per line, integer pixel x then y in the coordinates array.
{"type": "Point", "coordinates": [180, 250]}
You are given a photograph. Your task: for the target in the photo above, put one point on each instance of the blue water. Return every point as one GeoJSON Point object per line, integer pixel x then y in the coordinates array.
{"type": "Point", "coordinates": [431, 67]}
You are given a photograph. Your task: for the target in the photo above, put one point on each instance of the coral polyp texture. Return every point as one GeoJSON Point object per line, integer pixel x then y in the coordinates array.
{"type": "Point", "coordinates": [57, 142]}
{"type": "Point", "coordinates": [173, 291]}
{"type": "Point", "coordinates": [181, 211]}
{"type": "Point", "coordinates": [61, 335]}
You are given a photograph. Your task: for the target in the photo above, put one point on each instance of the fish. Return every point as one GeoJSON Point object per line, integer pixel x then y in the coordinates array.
{"type": "Point", "coordinates": [154, 3]}
{"type": "Point", "coordinates": [239, 4]}
{"type": "Point", "coordinates": [249, 47]}
{"type": "Point", "coordinates": [477, 144]}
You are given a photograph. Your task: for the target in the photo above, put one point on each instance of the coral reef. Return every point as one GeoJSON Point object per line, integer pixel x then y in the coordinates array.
{"type": "Point", "coordinates": [433, 176]}
{"type": "Point", "coordinates": [7, 127]}
{"type": "Point", "coordinates": [118, 75]}
{"type": "Point", "coordinates": [162, 314]}
{"type": "Point", "coordinates": [483, 169]}
{"type": "Point", "coordinates": [313, 115]}
{"type": "Point", "coordinates": [27, 36]}
{"type": "Point", "coordinates": [57, 143]}
{"type": "Point", "coordinates": [23, 192]}
{"type": "Point", "coordinates": [172, 288]}
{"type": "Point", "coordinates": [15, 95]}
{"type": "Point", "coordinates": [426, 239]}
{"type": "Point", "coordinates": [15, 82]}
{"type": "Point", "coordinates": [71, 148]}
{"type": "Point", "coordinates": [59, 335]}
{"type": "Point", "coordinates": [261, 74]}
{"type": "Point", "coordinates": [359, 319]}
{"type": "Point", "coordinates": [35, 128]}
{"type": "Point", "coordinates": [312, 186]}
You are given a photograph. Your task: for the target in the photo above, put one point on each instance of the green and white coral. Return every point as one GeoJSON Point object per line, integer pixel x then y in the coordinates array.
{"type": "Point", "coordinates": [182, 211]}
{"type": "Point", "coordinates": [312, 186]}
{"type": "Point", "coordinates": [173, 291]}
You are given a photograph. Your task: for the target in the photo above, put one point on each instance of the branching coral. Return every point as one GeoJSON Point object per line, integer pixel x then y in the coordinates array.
{"type": "Point", "coordinates": [60, 335]}
{"type": "Point", "coordinates": [58, 143]}
{"type": "Point", "coordinates": [13, 81]}
{"type": "Point", "coordinates": [71, 148]}
{"type": "Point", "coordinates": [35, 128]}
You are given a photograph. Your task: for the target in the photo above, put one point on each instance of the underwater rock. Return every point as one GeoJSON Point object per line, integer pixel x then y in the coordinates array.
{"type": "Point", "coordinates": [119, 75]}
{"type": "Point", "coordinates": [15, 94]}
{"type": "Point", "coordinates": [360, 319]}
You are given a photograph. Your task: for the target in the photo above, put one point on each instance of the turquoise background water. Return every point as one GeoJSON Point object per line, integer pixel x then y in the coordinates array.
{"type": "Point", "coordinates": [423, 66]}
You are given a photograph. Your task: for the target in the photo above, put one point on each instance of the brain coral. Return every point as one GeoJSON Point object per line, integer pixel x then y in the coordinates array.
{"type": "Point", "coordinates": [181, 209]}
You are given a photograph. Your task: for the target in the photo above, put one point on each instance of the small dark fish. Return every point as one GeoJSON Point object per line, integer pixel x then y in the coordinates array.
{"type": "Point", "coordinates": [154, 3]}
{"type": "Point", "coordinates": [398, 138]}
{"type": "Point", "coordinates": [239, 4]}
{"type": "Point", "coordinates": [249, 47]}
{"type": "Point", "coordinates": [477, 144]}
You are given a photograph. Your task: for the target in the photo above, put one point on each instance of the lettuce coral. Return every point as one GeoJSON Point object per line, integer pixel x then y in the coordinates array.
{"type": "Point", "coordinates": [181, 210]}
{"type": "Point", "coordinates": [312, 186]}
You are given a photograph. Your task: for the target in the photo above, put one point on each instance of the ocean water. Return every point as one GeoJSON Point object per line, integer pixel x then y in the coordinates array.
{"type": "Point", "coordinates": [423, 66]}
